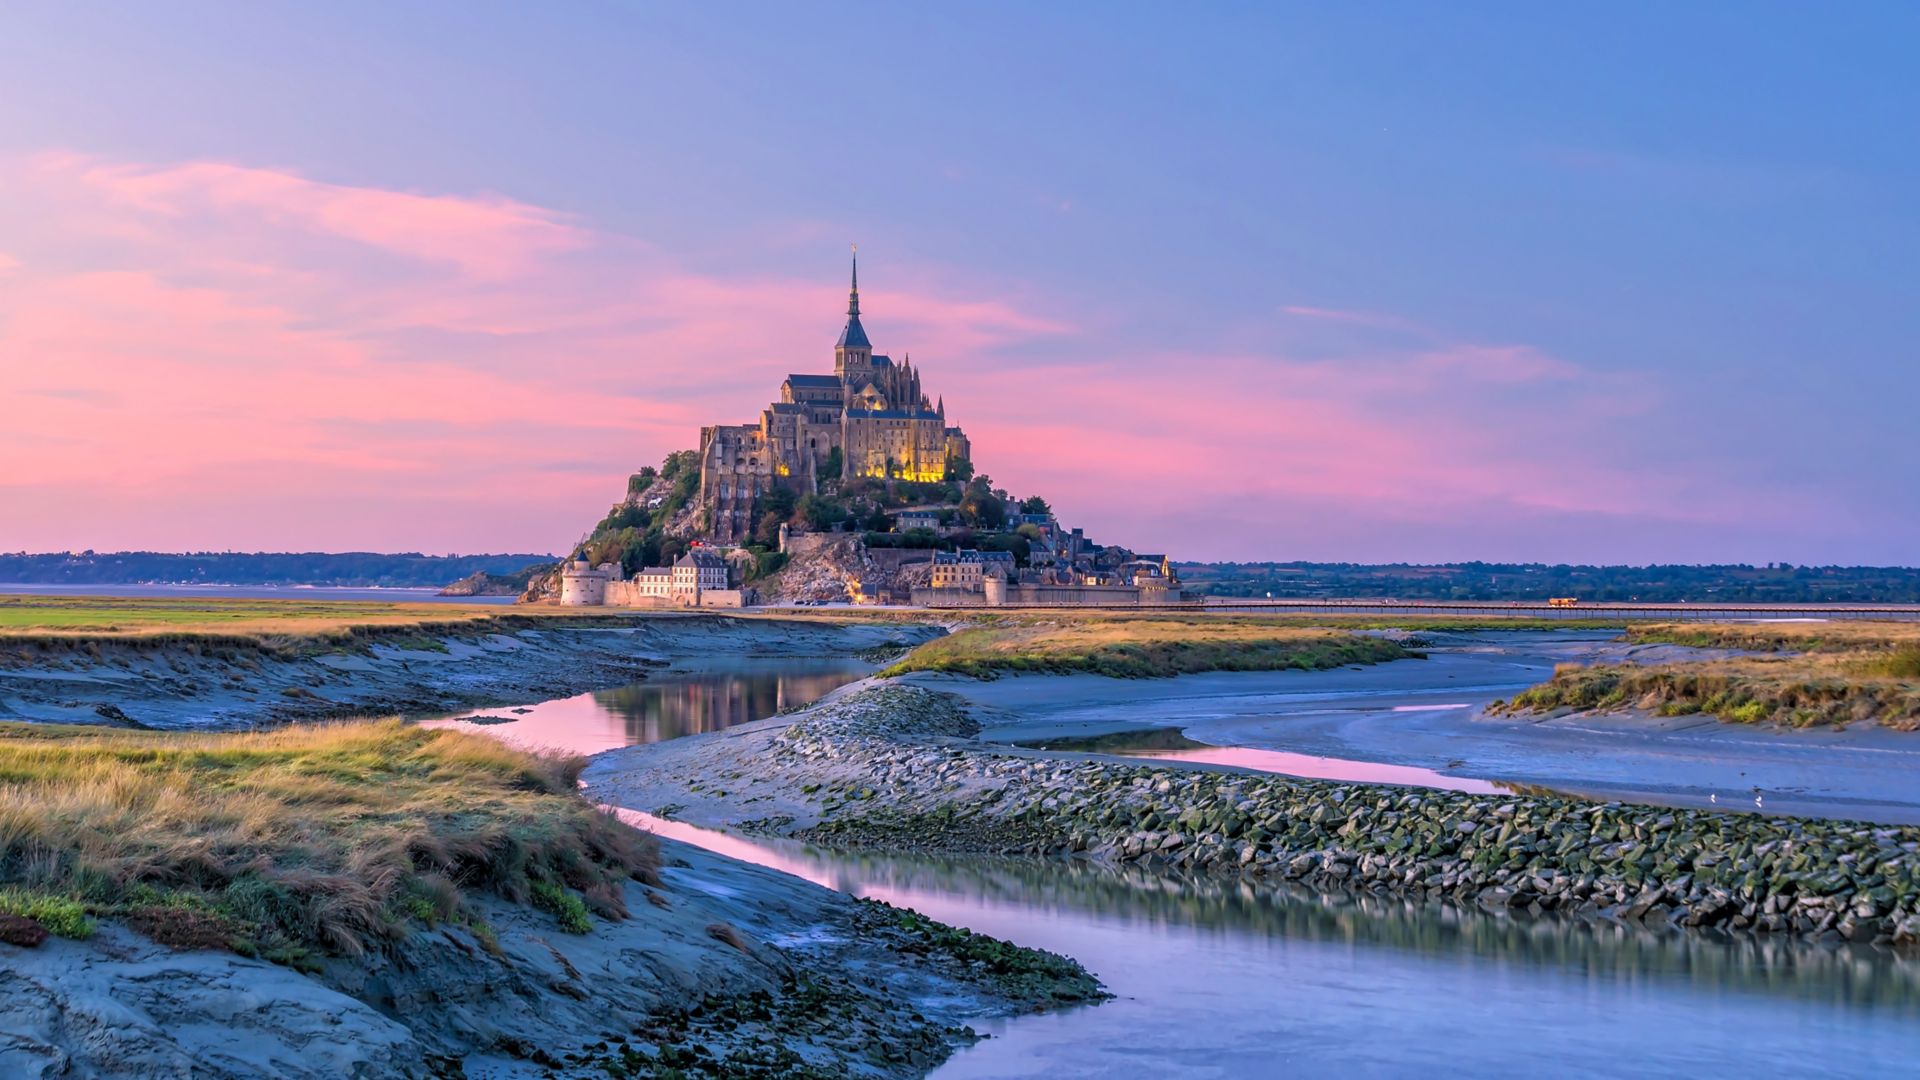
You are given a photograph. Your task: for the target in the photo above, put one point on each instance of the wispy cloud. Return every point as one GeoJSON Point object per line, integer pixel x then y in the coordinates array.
{"type": "Point", "coordinates": [207, 354]}
{"type": "Point", "coordinates": [176, 325]}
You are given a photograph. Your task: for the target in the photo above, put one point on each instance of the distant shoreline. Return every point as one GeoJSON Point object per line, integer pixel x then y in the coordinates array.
{"type": "Point", "coordinates": [409, 593]}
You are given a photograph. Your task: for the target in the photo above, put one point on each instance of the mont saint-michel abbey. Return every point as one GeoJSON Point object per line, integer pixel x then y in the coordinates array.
{"type": "Point", "coordinates": [869, 418]}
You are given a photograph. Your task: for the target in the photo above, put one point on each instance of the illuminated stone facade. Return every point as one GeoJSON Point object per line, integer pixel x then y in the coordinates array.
{"type": "Point", "coordinates": [870, 409]}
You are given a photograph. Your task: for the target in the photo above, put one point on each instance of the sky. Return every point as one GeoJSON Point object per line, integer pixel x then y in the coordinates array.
{"type": "Point", "coordinates": [1386, 282]}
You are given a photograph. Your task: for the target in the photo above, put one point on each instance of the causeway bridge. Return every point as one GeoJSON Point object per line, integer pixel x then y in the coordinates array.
{"type": "Point", "coordinates": [1588, 611]}
{"type": "Point", "coordinates": [1585, 610]}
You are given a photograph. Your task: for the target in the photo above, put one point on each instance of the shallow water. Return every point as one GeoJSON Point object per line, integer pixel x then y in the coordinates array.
{"type": "Point", "coordinates": [1155, 744]}
{"type": "Point", "coordinates": [1214, 980]}
{"type": "Point", "coordinates": [686, 699]}
{"type": "Point", "coordinates": [1217, 979]}
{"type": "Point", "coordinates": [1431, 715]}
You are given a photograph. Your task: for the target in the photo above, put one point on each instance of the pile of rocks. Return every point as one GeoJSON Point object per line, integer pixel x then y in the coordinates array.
{"type": "Point", "coordinates": [885, 769]}
{"type": "Point", "coordinates": [891, 713]}
{"type": "Point", "coordinates": [823, 573]}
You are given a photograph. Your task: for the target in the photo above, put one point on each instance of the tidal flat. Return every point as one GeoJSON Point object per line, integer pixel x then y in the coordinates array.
{"type": "Point", "coordinates": [388, 899]}
{"type": "Point", "coordinates": [223, 665]}
{"type": "Point", "coordinates": [1600, 838]}
{"type": "Point", "coordinates": [925, 801]}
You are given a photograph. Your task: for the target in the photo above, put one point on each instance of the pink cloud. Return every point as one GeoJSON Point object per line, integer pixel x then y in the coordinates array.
{"type": "Point", "coordinates": [213, 355]}
{"type": "Point", "coordinates": [192, 350]}
{"type": "Point", "coordinates": [487, 236]}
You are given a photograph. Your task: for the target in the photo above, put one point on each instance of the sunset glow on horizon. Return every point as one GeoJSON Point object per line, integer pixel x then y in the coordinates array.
{"type": "Point", "coordinates": [456, 316]}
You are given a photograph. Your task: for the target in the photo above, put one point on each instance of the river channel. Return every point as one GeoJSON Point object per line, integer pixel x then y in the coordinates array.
{"type": "Point", "coordinates": [1216, 979]}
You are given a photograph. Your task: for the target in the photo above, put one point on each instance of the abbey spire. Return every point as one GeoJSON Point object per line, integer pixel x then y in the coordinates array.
{"type": "Point", "coordinates": [853, 352]}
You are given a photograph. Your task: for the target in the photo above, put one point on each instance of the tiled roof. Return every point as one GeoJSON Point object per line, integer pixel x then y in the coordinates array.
{"type": "Point", "coordinates": [969, 555]}
{"type": "Point", "coordinates": [855, 335]}
{"type": "Point", "coordinates": [894, 414]}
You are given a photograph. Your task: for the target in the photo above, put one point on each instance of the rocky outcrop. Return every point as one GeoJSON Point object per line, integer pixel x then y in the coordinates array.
{"type": "Point", "coordinates": [822, 569]}
{"type": "Point", "coordinates": [482, 583]}
{"type": "Point", "coordinates": [723, 969]}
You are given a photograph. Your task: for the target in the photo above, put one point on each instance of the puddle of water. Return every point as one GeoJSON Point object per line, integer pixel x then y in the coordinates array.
{"type": "Point", "coordinates": [1169, 744]}
{"type": "Point", "coordinates": [677, 701]}
{"type": "Point", "coordinates": [1323, 768]}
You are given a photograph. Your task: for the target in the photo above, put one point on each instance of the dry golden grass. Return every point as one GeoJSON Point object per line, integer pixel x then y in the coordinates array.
{"type": "Point", "coordinates": [1845, 635]}
{"type": "Point", "coordinates": [1143, 645]}
{"type": "Point", "coordinates": [1822, 673]}
{"type": "Point", "coordinates": [332, 838]}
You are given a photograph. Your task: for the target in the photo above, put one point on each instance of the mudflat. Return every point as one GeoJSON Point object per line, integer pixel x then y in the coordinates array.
{"type": "Point", "coordinates": [207, 679]}
{"type": "Point", "coordinates": [1432, 714]}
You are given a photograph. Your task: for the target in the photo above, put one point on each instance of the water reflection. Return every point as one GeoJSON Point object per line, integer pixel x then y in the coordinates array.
{"type": "Point", "coordinates": [1170, 744]}
{"type": "Point", "coordinates": [1150, 901]}
{"type": "Point", "coordinates": [682, 700]}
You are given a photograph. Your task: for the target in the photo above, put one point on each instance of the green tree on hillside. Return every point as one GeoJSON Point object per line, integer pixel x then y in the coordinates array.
{"type": "Point", "coordinates": [980, 507]}
{"type": "Point", "coordinates": [819, 512]}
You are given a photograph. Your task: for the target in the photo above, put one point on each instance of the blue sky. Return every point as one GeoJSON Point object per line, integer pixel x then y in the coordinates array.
{"type": "Point", "coordinates": [1410, 281]}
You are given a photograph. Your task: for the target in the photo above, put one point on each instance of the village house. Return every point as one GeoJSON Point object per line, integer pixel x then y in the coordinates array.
{"type": "Point", "coordinates": [696, 579]}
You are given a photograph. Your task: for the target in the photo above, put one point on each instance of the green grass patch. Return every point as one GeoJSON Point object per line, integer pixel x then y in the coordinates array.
{"type": "Point", "coordinates": [1800, 690]}
{"type": "Point", "coordinates": [570, 910]}
{"type": "Point", "coordinates": [60, 915]}
{"type": "Point", "coordinates": [270, 624]}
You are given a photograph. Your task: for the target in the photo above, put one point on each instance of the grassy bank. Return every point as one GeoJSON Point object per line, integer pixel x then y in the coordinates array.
{"type": "Point", "coordinates": [301, 842]}
{"type": "Point", "coordinates": [1812, 674]}
{"type": "Point", "coordinates": [1143, 646]}
{"type": "Point", "coordinates": [67, 621]}
{"type": "Point", "coordinates": [1822, 637]}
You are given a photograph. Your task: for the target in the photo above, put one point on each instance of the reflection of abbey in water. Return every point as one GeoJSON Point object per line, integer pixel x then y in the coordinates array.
{"type": "Point", "coordinates": [869, 418]}
{"type": "Point", "coordinates": [691, 703]}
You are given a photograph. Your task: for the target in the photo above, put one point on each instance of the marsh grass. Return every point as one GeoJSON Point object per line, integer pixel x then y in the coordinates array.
{"type": "Point", "coordinates": [300, 842]}
{"type": "Point", "coordinates": [1846, 635]}
{"type": "Point", "coordinates": [271, 624]}
{"type": "Point", "coordinates": [1144, 646]}
{"type": "Point", "coordinates": [1798, 690]}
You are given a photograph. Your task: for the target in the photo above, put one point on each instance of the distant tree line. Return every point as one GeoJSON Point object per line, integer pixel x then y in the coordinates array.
{"type": "Point", "coordinates": [1781, 583]}
{"type": "Point", "coordinates": [361, 569]}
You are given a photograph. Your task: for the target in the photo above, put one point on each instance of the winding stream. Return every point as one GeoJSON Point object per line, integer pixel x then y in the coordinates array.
{"type": "Point", "coordinates": [1215, 979]}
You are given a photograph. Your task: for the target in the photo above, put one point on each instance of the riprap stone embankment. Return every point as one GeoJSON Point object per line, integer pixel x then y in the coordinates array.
{"type": "Point", "coordinates": [896, 767]}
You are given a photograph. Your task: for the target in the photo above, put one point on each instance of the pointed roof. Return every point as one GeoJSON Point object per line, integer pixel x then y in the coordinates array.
{"type": "Point", "coordinates": [854, 336]}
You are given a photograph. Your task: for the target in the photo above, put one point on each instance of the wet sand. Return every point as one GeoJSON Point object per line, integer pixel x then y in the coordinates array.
{"type": "Point", "coordinates": [1430, 714]}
